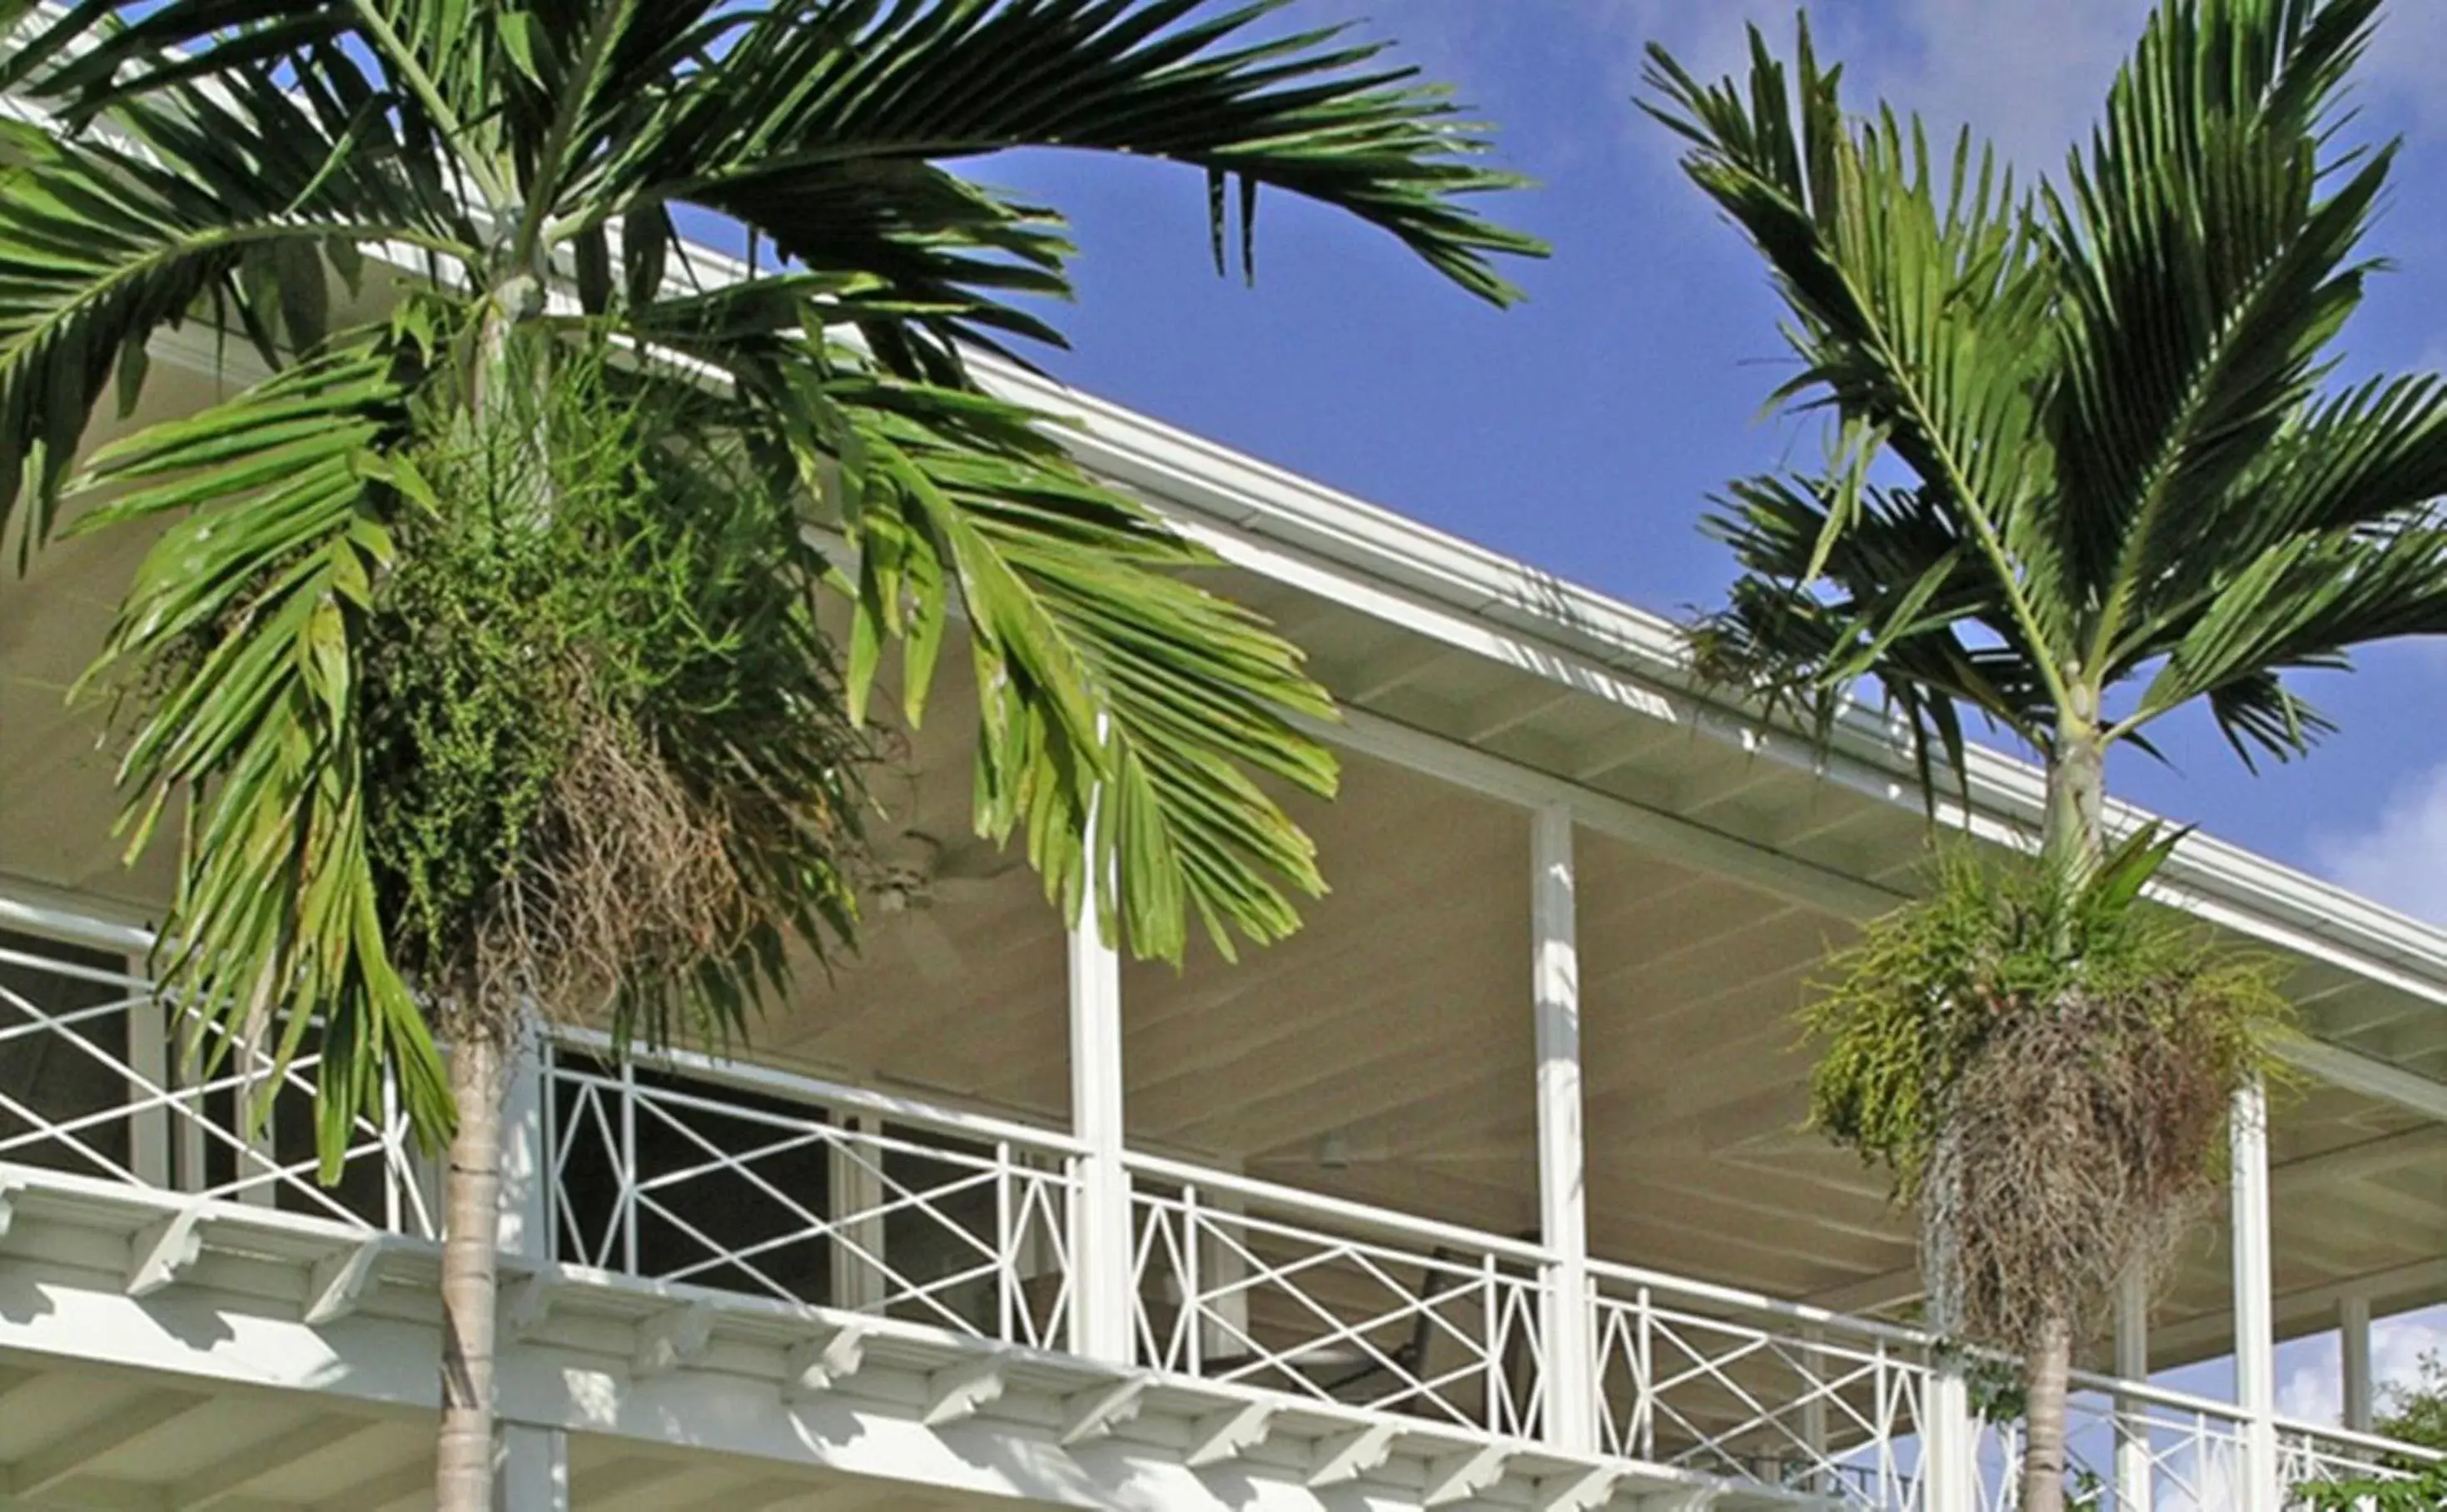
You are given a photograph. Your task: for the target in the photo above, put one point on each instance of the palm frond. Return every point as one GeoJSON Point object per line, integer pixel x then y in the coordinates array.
{"type": "Point", "coordinates": [245, 622]}
{"type": "Point", "coordinates": [2206, 258]}
{"type": "Point", "coordinates": [1920, 311]}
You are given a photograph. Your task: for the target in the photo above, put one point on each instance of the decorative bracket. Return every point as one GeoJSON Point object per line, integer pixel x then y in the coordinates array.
{"type": "Point", "coordinates": [672, 1338]}
{"type": "Point", "coordinates": [1095, 1414]}
{"type": "Point", "coordinates": [1458, 1477]}
{"type": "Point", "coordinates": [957, 1392]}
{"type": "Point", "coordinates": [1219, 1437]}
{"type": "Point", "coordinates": [1349, 1456]}
{"type": "Point", "coordinates": [163, 1251]}
{"type": "Point", "coordinates": [819, 1366]}
{"type": "Point", "coordinates": [338, 1282]}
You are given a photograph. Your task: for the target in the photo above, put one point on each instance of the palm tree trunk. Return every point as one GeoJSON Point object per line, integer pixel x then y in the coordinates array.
{"type": "Point", "coordinates": [470, 1252]}
{"type": "Point", "coordinates": [2076, 838]}
{"type": "Point", "coordinates": [2043, 1427]}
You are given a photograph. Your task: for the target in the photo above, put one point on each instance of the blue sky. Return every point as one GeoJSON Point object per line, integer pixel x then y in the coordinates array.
{"type": "Point", "coordinates": [1583, 430]}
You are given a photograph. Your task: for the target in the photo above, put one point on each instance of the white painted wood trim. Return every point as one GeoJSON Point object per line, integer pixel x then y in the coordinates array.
{"type": "Point", "coordinates": [1563, 1186]}
{"type": "Point", "coordinates": [2353, 1329]}
{"type": "Point", "coordinates": [2135, 1491]}
{"type": "Point", "coordinates": [1103, 1307]}
{"type": "Point", "coordinates": [2255, 1337]}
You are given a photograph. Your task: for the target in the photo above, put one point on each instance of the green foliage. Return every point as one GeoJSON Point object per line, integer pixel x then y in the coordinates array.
{"type": "Point", "coordinates": [1903, 1014]}
{"type": "Point", "coordinates": [2045, 1067]}
{"type": "Point", "coordinates": [350, 611]}
{"type": "Point", "coordinates": [2416, 1414]}
{"type": "Point", "coordinates": [2081, 431]}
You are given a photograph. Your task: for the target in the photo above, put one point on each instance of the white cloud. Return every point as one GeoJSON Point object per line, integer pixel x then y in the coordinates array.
{"type": "Point", "coordinates": [2311, 1378]}
{"type": "Point", "coordinates": [2401, 858]}
{"type": "Point", "coordinates": [2029, 75]}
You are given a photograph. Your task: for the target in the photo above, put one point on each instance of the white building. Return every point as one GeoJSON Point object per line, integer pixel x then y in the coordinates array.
{"type": "Point", "coordinates": [1485, 1191]}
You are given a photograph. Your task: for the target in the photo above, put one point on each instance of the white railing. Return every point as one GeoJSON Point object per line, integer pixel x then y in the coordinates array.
{"type": "Point", "coordinates": [1747, 1389]}
{"type": "Point", "coordinates": [2188, 1452]}
{"type": "Point", "coordinates": [103, 1076]}
{"type": "Point", "coordinates": [2310, 1453]}
{"type": "Point", "coordinates": [691, 1170]}
{"type": "Point", "coordinates": [2189, 1449]}
{"type": "Point", "coordinates": [682, 1168]}
{"type": "Point", "coordinates": [1246, 1282]}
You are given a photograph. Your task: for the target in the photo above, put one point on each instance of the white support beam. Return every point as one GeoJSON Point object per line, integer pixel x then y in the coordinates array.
{"type": "Point", "coordinates": [2134, 1475]}
{"type": "Point", "coordinates": [2353, 1329]}
{"type": "Point", "coordinates": [855, 1169]}
{"type": "Point", "coordinates": [1348, 1455]}
{"type": "Point", "coordinates": [2255, 1334]}
{"type": "Point", "coordinates": [1562, 1202]}
{"type": "Point", "coordinates": [1948, 1441]}
{"type": "Point", "coordinates": [2306, 1309]}
{"type": "Point", "coordinates": [533, 1472]}
{"type": "Point", "coordinates": [1102, 1309]}
{"type": "Point", "coordinates": [1689, 842]}
{"type": "Point", "coordinates": [2356, 1073]}
{"type": "Point", "coordinates": [1223, 1436]}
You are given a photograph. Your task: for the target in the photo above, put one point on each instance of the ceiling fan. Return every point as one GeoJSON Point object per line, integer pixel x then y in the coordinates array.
{"type": "Point", "coordinates": [914, 874]}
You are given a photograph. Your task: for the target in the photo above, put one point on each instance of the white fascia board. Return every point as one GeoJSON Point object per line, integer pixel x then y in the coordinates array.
{"type": "Point", "coordinates": [1535, 614]}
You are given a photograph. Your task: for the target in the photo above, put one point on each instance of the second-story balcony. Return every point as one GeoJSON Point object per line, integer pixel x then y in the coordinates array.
{"type": "Point", "coordinates": [1487, 1188]}
{"type": "Point", "coordinates": [776, 1207]}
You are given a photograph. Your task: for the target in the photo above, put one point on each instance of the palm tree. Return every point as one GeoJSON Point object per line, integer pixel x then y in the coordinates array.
{"type": "Point", "coordinates": [2087, 466]}
{"type": "Point", "coordinates": [480, 649]}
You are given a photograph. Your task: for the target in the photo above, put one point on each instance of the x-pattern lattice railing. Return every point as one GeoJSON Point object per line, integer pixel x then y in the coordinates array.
{"type": "Point", "coordinates": [683, 1179]}
{"type": "Point", "coordinates": [2190, 1450]}
{"type": "Point", "coordinates": [1694, 1378]}
{"type": "Point", "coordinates": [2307, 1453]}
{"type": "Point", "coordinates": [1416, 1324]}
{"type": "Point", "coordinates": [153, 1095]}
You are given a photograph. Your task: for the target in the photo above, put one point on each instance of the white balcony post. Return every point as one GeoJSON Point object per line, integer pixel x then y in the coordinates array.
{"type": "Point", "coordinates": [1949, 1443]}
{"type": "Point", "coordinates": [1102, 1316]}
{"type": "Point", "coordinates": [2134, 1477]}
{"type": "Point", "coordinates": [2354, 1331]}
{"type": "Point", "coordinates": [533, 1467]}
{"type": "Point", "coordinates": [854, 1166]}
{"type": "Point", "coordinates": [2255, 1344]}
{"type": "Point", "coordinates": [1562, 1210]}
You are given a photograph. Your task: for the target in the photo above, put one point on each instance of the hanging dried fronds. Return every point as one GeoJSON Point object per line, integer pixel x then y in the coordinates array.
{"type": "Point", "coordinates": [2047, 1070]}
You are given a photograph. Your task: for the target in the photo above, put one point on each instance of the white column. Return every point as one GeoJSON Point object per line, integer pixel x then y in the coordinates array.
{"type": "Point", "coordinates": [1562, 1210]}
{"type": "Point", "coordinates": [1103, 1305]}
{"type": "Point", "coordinates": [533, 1467]}
{"type": "Point", "coordinates": [1949, 1443]}
{"type": "Point", "coordinates": [855, 1169]}
{"type": "Point", "coordinates": [2133, 1489]}
{"type": "Point", "coordinates": [2354, 1327]}
{"type": "Point", "coordinates": [2255, 1339]}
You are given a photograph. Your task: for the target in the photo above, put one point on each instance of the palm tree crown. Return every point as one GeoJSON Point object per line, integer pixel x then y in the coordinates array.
{"type": "Point", "coordinates": [2089, 466]}
{"type": "Point", "coordinates": [512, 183]}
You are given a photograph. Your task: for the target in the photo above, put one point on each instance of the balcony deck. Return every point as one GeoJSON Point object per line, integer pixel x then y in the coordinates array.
{"type": "Point", "coordinates": [696, 1214]}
